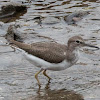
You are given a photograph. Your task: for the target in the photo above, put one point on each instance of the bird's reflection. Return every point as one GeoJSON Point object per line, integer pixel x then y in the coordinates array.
{"type": "Point", "coordinates": [47, 87]}
{"type": "Point", "coordinates": [48, 94]}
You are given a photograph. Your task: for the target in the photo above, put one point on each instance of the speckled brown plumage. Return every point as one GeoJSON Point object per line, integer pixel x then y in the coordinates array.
{"type": "Point", "coordinates": [51, 52]}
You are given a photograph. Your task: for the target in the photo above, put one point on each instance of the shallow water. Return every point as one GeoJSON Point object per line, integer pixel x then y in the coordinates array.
{"type": "Point", "coordinates": [82, 80]}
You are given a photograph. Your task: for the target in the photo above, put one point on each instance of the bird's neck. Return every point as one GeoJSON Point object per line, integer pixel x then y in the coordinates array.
{"type": "Point", "coordinates": [72, 55]}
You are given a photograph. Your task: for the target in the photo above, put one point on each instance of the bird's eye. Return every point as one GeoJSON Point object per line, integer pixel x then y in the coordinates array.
{"type": "Point", "coordinates": [77, 41]}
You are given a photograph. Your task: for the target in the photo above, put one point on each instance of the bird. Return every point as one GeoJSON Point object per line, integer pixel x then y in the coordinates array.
{"type": "Point", "coordinates": [52, 55]}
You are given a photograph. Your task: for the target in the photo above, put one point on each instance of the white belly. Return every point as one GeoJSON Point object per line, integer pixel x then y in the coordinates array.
{"type": "Point", "coordinates": [46, 65]}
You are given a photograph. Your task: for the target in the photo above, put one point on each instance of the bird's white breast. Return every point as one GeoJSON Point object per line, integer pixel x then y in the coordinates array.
{"type": "Point", "coordinates": [46, 65]}
{"type": "Point", "coordinates": [76, 52]}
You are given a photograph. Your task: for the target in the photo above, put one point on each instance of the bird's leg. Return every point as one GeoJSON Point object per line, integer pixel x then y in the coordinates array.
{"type": "Point", "coordinates": [44, 73]}
{"type": "Point", "coordinates": [36, 76]}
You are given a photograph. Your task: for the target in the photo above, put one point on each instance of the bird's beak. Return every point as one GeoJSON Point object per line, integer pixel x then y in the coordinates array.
{"type": "Point", "coordinates": [89, 45]}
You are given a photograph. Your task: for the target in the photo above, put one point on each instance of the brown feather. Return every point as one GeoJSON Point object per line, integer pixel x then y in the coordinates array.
{"type": "Point", "coordinates": [51, 52]}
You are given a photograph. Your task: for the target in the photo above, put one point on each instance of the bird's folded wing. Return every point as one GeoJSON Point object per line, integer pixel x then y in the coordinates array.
{"type": "Point", "coordinates": [51, 52]}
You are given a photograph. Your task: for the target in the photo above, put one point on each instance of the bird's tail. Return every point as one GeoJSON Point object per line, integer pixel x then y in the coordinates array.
{"type": "Point", "coordinates": [10, 34]}
{"type": "Point", "coordinates": [11, 38]}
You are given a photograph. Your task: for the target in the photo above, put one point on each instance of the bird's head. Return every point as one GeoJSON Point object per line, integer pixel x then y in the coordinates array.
{"type": "Point", "coordinates": [76, 42]}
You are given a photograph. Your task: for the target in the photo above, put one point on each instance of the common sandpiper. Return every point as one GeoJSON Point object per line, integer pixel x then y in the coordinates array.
{"type": "Point", "coordinates": [52, 56]}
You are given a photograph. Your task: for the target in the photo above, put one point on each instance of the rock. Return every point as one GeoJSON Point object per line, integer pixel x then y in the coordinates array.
{"type": "Point", "coordinates": [11, 9]}
{"type": "Point", "coordinates": [76, 16]}
{"type": "Point", "coordinates": [12, 33]}
{"type": "Point", "coordinates": [51, 20]}
{"type": "Point", "coordinates": [47, 20]}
